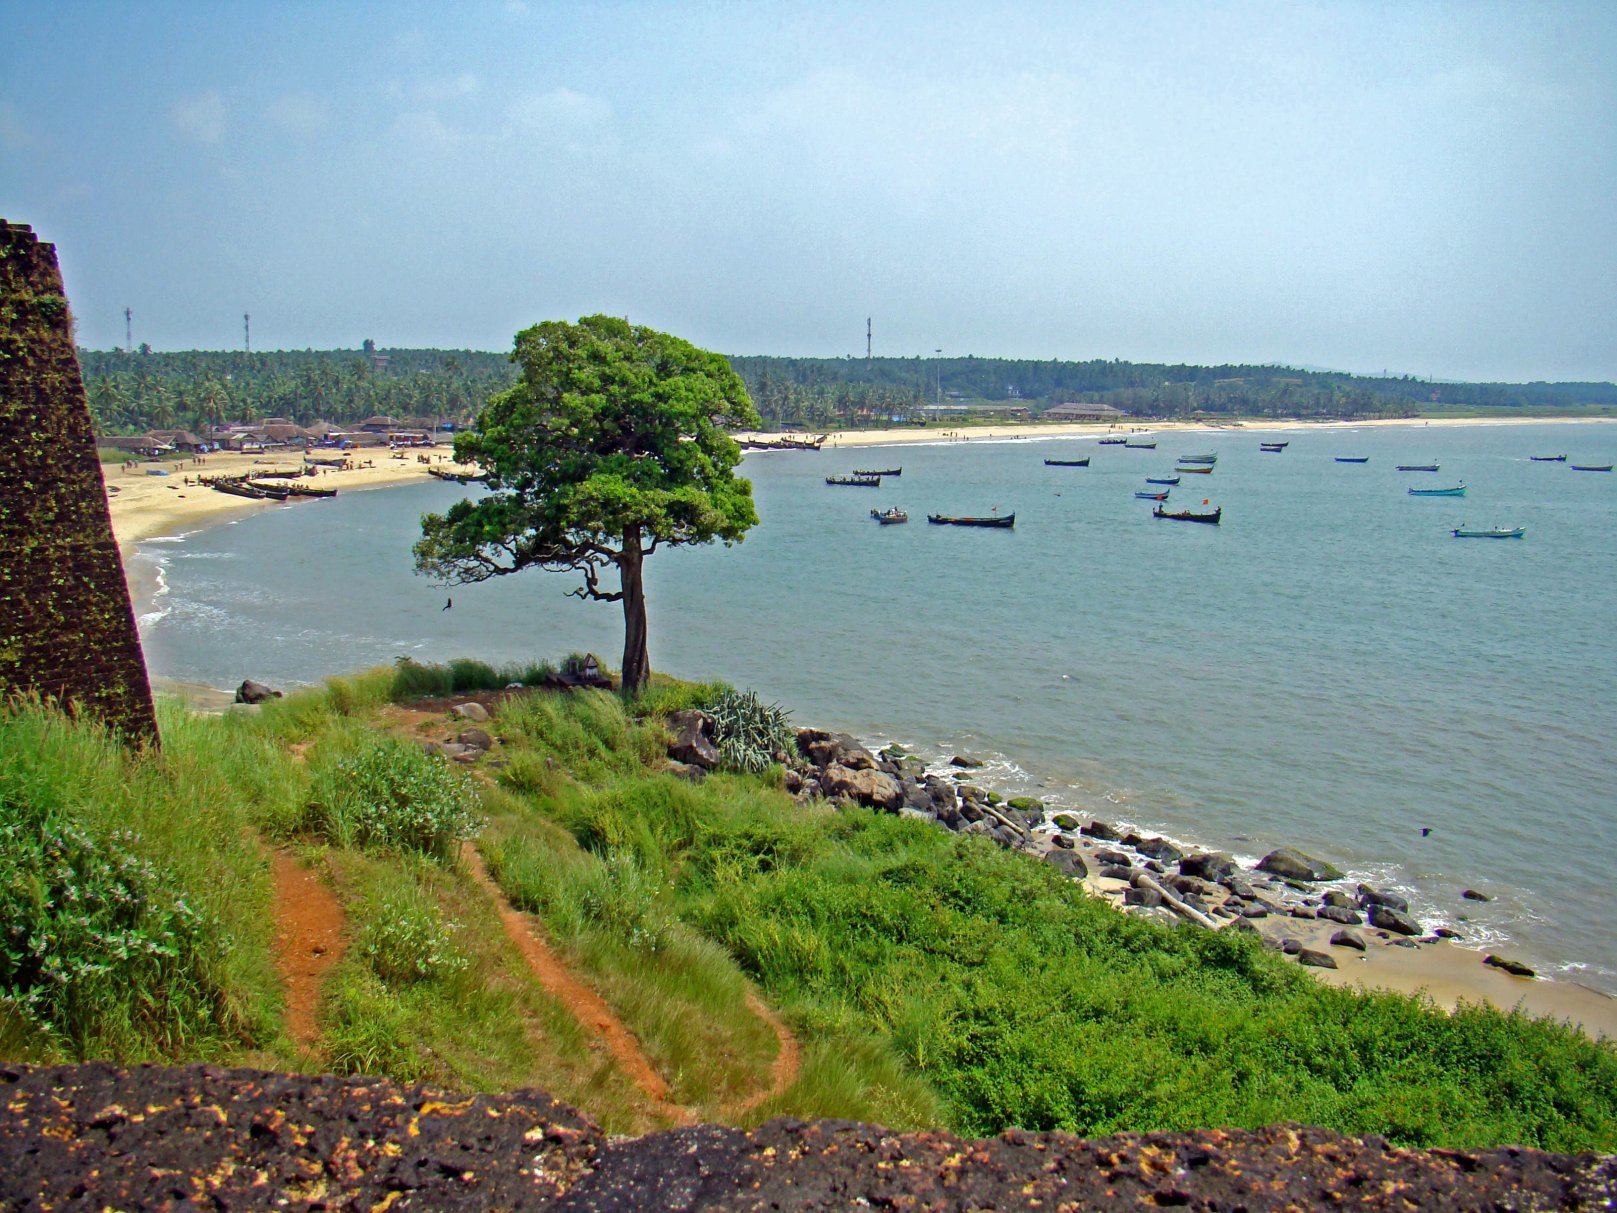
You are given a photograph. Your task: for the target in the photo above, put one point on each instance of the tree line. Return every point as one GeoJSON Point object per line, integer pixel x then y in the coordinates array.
{"type": "Point", "coordinates": [131, 392]}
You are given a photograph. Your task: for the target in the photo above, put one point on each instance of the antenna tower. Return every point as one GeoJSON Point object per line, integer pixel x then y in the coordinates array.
{"type": "Point", "coordinates": [247, 331]}
{"type": "Point", "coordinates": [129, 331]}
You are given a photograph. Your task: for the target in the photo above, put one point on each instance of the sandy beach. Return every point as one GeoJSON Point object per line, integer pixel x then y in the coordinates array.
{"type": "Point", "coordinates": [148, 506]}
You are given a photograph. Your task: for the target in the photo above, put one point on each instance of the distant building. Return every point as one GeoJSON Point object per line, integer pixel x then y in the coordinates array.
{"type": "Point", "coordinates": [1081, 412]}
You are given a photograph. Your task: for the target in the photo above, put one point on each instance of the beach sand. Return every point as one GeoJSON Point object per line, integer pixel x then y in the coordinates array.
{"type": "Point", "coordinates": [146, 507]}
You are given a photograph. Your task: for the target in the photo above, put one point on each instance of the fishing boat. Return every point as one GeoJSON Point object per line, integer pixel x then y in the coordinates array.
{"type": "Point", "coordinates": [1417, 467]}
{"type": "Point", "coordinates": [1162, 480]}
{"type": "Point", "coordinates": [887, 472]}
{"type": "Point", "coordinates": [1209, 459]}
{"type": "Point", "coordinates": [1493, 532]}
{"type": "Point", "coordinates": [295, 490]}
{"type": "Point", "coordinates": [1066, 463]}
{"type": "Point", "coordinates": [458, 477]}
{"type": "Point", "coordinates": [888, 517]}
{"type": "Point", "coordinates": [1457, 491]}
{"type": "Point", "coordinates": [856, 482]}
{"type": "Point", "coordinates": [1140, 446]}
{"type": "Point", "coordinates": [1188, 515]}
{"type": "Point", "coordinates": [236, 488]}
{"type": "Point", "coordinates": [1162, 496]}
{"type": "Point", "coordinates": [1591, 467]}
{"type": "Point", "coordinates": [1273, 446]}
{"type": "Point", "coordinates": [1200, 470]}
{"type": "Point", "coordinates": [1009, 520]}
{"type": "Point", "coordinates": [1353, 459]}
{"type": "Point", "coordinates": [1548, 458]}
{"type": "Point", "coordinates": [1114, 441]}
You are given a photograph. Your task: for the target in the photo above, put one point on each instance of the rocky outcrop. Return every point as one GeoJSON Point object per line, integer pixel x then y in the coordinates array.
{"type": "Point", "coordinates": [1291, 864]}
{"type": "Point", "coordinates": [1389, 919]}
{"type": "Point", "coordinates": [693, 739]}
{"type": "Point", "coordinates": [255, 692]}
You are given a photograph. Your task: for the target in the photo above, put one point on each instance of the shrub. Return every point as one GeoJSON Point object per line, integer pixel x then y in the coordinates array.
{"type": "Point", "coordinates": [409, 942]}
{"type": "Point", "coordinates": [389, 793]}
{"type": "Point", "coordinates": [747, 732]}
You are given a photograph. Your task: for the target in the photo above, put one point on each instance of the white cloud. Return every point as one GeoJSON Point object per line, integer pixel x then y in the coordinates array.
{"type": "Point", "coordinates": [560, 109]}
{"type": "Point", "coordinates": [300, 113]}
{"type": "Point", "coordinates": [202, 118]}
{"type": "Point", "coordinates": [446, 88]}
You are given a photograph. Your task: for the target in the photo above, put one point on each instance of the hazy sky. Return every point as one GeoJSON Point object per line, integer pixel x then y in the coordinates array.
{"type": "Point", "coordinates": [1430, 188]}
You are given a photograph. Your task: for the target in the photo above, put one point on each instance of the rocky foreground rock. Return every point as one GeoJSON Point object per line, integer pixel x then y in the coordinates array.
{"type": "Point", "coordinates": [95, 1137]}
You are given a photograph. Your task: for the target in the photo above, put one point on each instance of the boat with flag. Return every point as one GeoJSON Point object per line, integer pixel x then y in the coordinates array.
{"type": "Point", "coordinates": [1212, 516]}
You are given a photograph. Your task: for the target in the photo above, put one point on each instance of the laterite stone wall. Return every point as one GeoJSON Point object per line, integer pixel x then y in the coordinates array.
{"type": "Point", "coordinates": [67, 629]}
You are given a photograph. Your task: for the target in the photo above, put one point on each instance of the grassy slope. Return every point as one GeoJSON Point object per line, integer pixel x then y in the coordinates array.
{"type": "Point", "coordinates": [932, 979]}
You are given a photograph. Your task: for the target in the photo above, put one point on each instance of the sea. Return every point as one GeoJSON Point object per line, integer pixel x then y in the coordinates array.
{"type": "Point", "coordinates": [1329, 668]}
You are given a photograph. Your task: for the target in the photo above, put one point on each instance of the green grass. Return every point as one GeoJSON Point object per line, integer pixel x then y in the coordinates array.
{"type": "Point", "coordinates": [931, 979]}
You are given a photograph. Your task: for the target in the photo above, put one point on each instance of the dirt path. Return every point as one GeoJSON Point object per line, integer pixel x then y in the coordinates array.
{"type": "Point", "coordinates": [583, 1003]}
{"type": "Point", "coordinates": [783, 1070]}
{"type": "Point", "coordinates": [308, 941]}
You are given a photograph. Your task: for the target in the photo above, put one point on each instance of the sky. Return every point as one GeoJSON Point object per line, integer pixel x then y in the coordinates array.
{"type": "Point", "coordinates": [1426, 188]}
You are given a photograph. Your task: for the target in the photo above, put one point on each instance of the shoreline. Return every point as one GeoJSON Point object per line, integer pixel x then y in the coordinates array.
{"type": "Point", "coordinates": [154, 507]}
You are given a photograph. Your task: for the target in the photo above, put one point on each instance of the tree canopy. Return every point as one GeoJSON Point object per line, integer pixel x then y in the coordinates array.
{"type": "Point", "coordinates": [611, 444]}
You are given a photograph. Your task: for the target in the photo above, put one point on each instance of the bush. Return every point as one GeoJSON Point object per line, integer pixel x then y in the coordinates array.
{"type": "Point", "coordinates": [409, 942]}
{"type": "Point", "coordinates": [747, 732]}
{"type": "Point", "coordinates": [389, 793]}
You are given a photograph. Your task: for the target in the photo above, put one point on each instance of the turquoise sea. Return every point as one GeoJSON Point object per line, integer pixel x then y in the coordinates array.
{"type": "Point", "coordinates": [1329, 668]}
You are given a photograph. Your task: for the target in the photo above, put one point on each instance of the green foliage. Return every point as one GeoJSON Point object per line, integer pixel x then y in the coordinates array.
{"type": "Point", "coordinates": [383, 792]}
{"type": "Point", "coordinates": [747, 732]}
{"type": "Point", "coordinates": [415, 680]}
{"type": "Point", "coordinates": [408, 941]}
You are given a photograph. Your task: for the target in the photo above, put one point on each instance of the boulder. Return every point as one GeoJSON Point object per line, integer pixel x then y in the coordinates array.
{"type": "Point", "coordinates": [917, 814]}
{"type": "Point", "coordinates": [1291, 946]}
{"type": "Point", "coordinates": [1116, 873]}
{"type": "Point", "coordinates": [688, 771]}
{"type": "Point", "coordinates": [1341, 914]}
{"type": "Point", "coordinates": [1389, 919]}
{"type": "Point", "coordinates": [1100, 830]}
{"type": "Point", "coordinates": [867, 786]}
{"type": "Point", "coordinates": [1316, 960]}
{"type": "Point", "coordinates": [1349, 939]}
{"type": "Point", "coordinates": [255, 692]}
{"type": "Point", "coordinates": [1208, 865]}
{"type": "Point", "coordinates": [1116, 858]}
{"type": "Point", "coordinates": [1159, 849]}
{"type": "Point", "coordinates": [1065, 821]}
{"type": "Point", "coordinates": [1063, 841]}
{"type": "Point", "coordinates": [452, 749]}
{"type": "Point", "coordinates": [1142, 897]}
{"type": "Point", "coordinates": [1241, 924]}
{"type": "Point", "coordinates": [1473, 895]}
{"type": "Point", "coordinates": [960, 760]}
{"type": "Point", "coordinates": [1514, 967]}
{"type": "Point", "coordinates": [1069, 862]}
{"type": "Point", "coordinates": [471, 710]}
{"type": "Point", "coordinates": [476, 738]}
{"type": "Point", "coordinates": [1255, 911]}
{"type": "Point", "coordinates": [1371, 897]}
{"type": "Point", "coordinates": [1304, 912]}
{"type": "Point", "coordinates": [1026, 804]}
{"type": "Point", "coordinates": [824, 749]}
{"type": "Point", "coordinates": [693, 743]}
{"type": "Point", "coordinates": [1338, 898]}
{"type": "Point", "coordinates": [1289, 863]}
{"type": "Point", "coordinates": [1447, 933]}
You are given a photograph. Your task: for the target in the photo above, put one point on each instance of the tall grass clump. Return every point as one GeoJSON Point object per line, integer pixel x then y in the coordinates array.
{"type": "Point", "coordinates": [749, 734]}
{"type": "Point", "coordinates": [586, 732]}
{"type": "Point", "coordinates": [381, 792]}
{"type": "Point", "coordinates": [418, 680]}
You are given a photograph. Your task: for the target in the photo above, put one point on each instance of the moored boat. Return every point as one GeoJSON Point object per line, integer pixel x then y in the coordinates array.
{"type": "Point", "coordinates": [1009, 520]}
{"type": "Point", "coordinates": [1548, 458]}
{"type": "Point", "coordinates": [1188, 515]}
{"type": "Point", "coordinates": [1417, 467]}
{"type": "Point", "coordinates": [1209, 459]}
{"type": "Point", "coordinates": [889, 517]}
{"type": "Point", "coordinates": [1591, 467]}
{"type": "Point", "coordinates": [1162, 496]}
{"type": "Point", "coordinates": [1114, 441]}
{"type": "Point", "coordinates": [886, 472]}
{"type": "Point", "coordinates": [857, 482]}
{"type": "Point", "coordinates": [1353, 459]}
{"type": "Point", "coordinates": [1066, 463]}
{"type": "Point", "coordinates": [1273, 446]}
{"type": "Point", "coordinates": [1162, 480]}
{"type": "Point", "coordinates": [1200, 469]}
{"type": "Point", "coordinates": [1493, 532]}
{"type": "Point", "coordinates": [1457, 490]}
{"type": "Point", "coordinates": [1140, 446]}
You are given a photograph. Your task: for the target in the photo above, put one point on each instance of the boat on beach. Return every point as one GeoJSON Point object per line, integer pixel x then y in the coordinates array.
{"type": "Point", "coordinates": [887, 472]}
{"type": "Point", "coordinates": [1457, 490]}
{"type": "Point", "coordinates": [1493, 532]}
{"type": "Point", "coordinates": [458, 477]}
{"type": "Point", "coordinates": [1417, 467]}
{"type": "Point", "coordinates": [1162, 480]}
{"type": "Point", "coordinates": [1591, 467]}
{"type": "Point", "coordinates": [890, 516]}
{"type": "Point", "coordinates": [1548, 458]}
{"type": "Point", "coordinates": [1188, 515]}
{"type": "Point", "coordinates": [1162, 496]}
{"type": "Point", "coordinates": [855, 482]}
{"type": "Point", "coordinates": [1009, 520]}
{"type": "Point", "coordinates": [1353, 459]}
{"type": "Point", "coordinates": [1066, 463]}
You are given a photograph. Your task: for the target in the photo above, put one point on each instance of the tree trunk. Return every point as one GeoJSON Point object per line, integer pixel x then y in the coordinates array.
{"type": "Point", "coordinates": [636, 663]}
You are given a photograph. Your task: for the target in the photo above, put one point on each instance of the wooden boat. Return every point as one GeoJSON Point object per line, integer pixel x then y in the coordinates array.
{"type": "Point", "coordinates": [236, 488]}
{"type": "Point", "coordinates": [1066, 463]}
{"type": "Point", "coordinates": [1162, 480]}
{"type": "Point", "coordinates": [1188, 515]}
{"type": "Point", "coordinates": [889, 517]}
{"type": "Point", "coordinates": [1273, 446]}
{"type": "Point", "coordinates": [1457, 491]}
{"type": "Point", "coordinates": [857, 482]}
{"type": "Point", "coordinates": [1591, 467]}
{"type": "Point", "coordinates": [1140, 446]}
{"type": "Point", "coordinates": [458, 477]}
{"type": "Point", "coordinates": [1200, 470]}
{"type": "Point", "coordinates": [888, 472]}
{"type": "Point", "coordinates": [1417, 467]}
{"type": "Point", "coordinates": [1114, 441]}
{"type": "Point", "coordinates": [1009, 520]}
{"type": "Point", "coordinates": [1353, 459]}
{"type": "Point", "coordinates": [296, 490]}
{"type": "Point", "coordinates": [1162, 496]}
{"type": "Point", "coordinates": [1207, 459]}
{"type": "Point", "coordinates": [1493, 532]}
{"type": "Point", "coordinates": [1548, 458]}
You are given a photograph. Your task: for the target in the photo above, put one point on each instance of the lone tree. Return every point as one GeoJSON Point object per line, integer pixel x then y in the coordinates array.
{"type": "Point", "coordinates": [611, 445]}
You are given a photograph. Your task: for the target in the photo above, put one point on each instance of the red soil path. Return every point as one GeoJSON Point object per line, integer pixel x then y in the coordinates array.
{"type": "Point", "coordinates": [309, 940]}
